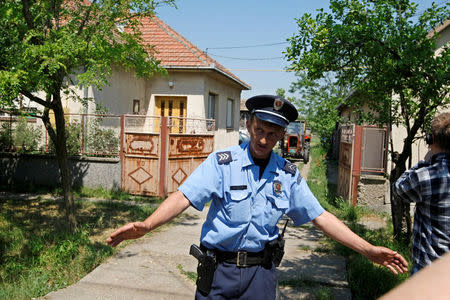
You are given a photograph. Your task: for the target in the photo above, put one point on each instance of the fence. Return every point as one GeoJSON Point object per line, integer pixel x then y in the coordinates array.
{"type": "Point", "coordinates": [87, 134]}
{"type": "Point", "coordinates": [156, 153]}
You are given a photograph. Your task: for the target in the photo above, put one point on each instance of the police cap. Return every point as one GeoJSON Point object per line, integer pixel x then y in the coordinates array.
{"type": "Point", "coordinates": [273, 109]}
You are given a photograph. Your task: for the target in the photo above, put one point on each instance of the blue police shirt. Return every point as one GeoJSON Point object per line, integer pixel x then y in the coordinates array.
{"type": "Point", "coordinates": [245, 209]}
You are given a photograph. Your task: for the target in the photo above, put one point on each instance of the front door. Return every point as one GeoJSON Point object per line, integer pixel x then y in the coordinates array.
{"type": "Point", "coordinates": [168, 106]}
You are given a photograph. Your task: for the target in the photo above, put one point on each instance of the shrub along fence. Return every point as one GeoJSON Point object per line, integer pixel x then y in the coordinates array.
{"type": "Point", "coordinates": [87, 135]}
{"type": "Point", "coordinates": [93, 143]}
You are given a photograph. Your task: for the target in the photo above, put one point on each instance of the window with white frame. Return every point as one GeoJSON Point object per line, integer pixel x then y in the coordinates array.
{"type": "Point", "coordinates": [211, 106]}
{"type": "Point", "coordinates": [229, 113]}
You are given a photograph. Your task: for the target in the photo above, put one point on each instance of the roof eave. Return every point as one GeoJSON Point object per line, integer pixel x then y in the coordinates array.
{"type": "Point", "coordinates": [211, 68]}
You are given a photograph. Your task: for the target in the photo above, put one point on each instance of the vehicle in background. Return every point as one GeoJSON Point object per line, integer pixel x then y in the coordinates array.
{"type": "Point", "coordinates": [296, 142]}
{"type": "Point", "coordinates": [243, 137]}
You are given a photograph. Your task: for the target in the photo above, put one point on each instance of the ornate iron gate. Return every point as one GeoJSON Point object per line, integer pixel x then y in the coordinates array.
{"type": "Point", "coordinates": [345, 161]}
{"type": "Point", "coordinates": [155, 160]}
{"type": "Point", "coordinates": [187, 150]}
{"type": "Point", "coordinates": [350, 162]}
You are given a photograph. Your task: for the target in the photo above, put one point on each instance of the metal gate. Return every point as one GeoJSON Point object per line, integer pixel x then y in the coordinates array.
{"type": "Point", "coordinates": [362, 149]}
{"type": "Point", "coordinates": [349, 162]}
{"type": "Point", "coordinates": [155, 160]}
{"type": "Point", "coordinates": [187, 150]}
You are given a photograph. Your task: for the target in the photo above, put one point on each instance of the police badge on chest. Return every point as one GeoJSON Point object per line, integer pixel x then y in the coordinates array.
{"type": "Point", "coordinates": [277, 187]}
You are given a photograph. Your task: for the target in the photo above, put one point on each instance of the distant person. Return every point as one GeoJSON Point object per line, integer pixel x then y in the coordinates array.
{"type": "Point", "coordinates": [428, 185]}
{"type": "Point", "coordinates": [251, 188]}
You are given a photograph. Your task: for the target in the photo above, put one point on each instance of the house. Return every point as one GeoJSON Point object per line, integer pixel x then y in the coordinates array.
{"type": "Point", "coordinates": [154, 158]}
{"type": "Point", "coordinates": [197, 86]}
{"type": "Point", "coordinates": [364, 163]}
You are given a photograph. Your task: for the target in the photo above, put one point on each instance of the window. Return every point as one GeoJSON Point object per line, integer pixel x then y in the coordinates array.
{"type": "Point", "coordinates": [229, 113]}
{"type": "Point", "coordinates": [211, 107]}
{"type": "Point", "coordinates": [136, 106]}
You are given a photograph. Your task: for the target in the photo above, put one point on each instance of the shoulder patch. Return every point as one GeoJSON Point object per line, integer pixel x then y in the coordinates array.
{"type": "Point", "coordinates": [290, 168]}
{"type": "Point", "coordinates": [299, 179]}
{"type": "Point", "coordinates": [224, 157]}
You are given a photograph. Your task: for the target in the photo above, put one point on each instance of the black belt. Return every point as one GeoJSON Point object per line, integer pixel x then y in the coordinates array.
{"type": "Point", "coordinates": [241, 258]}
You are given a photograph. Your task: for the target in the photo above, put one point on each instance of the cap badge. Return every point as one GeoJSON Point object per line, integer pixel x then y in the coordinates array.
{"type": "Point", "coordinates": [278, 104]}
{"type": "Point", "coordinates": [277, 187]}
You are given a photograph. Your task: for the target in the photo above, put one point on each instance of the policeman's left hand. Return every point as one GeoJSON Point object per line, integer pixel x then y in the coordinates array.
{"type": "Point", "coordinates": [388, 258]}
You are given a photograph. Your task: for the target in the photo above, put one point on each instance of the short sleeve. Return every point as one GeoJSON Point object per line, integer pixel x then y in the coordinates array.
{"type": "Point", "coordinates": [203, 183]}
{"type": "Point", "coordinates": [304, 207]}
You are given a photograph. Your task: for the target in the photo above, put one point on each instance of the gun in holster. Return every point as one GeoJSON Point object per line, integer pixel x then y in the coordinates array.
{"type": "Point", "coordinates": [207, 264]}
{"type": "Point", "coordinates": [274, 250]}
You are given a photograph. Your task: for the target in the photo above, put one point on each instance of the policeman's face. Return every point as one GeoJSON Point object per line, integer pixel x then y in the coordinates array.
{"type": "Point", "coordinates": [263, 137]}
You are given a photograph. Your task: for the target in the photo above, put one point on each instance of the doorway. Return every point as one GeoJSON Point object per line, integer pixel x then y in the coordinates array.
{"type": "Point", "coordinates": [172, 106]}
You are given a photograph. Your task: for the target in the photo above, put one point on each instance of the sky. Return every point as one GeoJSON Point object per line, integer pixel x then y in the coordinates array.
{"type": "Point", "coordinates": [248, 37]}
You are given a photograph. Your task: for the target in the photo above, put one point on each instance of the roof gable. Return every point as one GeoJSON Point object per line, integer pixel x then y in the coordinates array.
{"type": "Point", "coordinates": [175, 51]}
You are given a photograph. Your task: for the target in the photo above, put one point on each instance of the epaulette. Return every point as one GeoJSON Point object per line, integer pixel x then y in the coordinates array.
{"type": "Point", "coordinates": [224, 157]}
{"type": "Point", "coordinates": [290, 168]}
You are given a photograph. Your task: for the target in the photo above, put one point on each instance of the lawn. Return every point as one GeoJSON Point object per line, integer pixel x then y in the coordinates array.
{"type": "Point", "coordinates": [367, 280]}
{"type": "Point", "coordinates": [38, 255]}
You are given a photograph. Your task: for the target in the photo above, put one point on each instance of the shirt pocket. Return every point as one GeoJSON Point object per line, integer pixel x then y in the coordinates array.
{"type": "Point", "coordinates": [275, 208]}
{"type": "Point", "coordinates": [238, 205]}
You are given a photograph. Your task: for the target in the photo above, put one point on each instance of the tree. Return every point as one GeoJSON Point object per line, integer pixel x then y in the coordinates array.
{"type": "Point", "coordinates": [383, 52]}
{"type": "Point", "coordinates": [318, 102]}
{"type": "Point", "coordinates": [48, 46]}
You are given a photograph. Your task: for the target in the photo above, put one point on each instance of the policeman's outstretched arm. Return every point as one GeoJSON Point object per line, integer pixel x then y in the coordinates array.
{"type": "Point", "coordinates": [175, 204]}
{"type": "Point", "coordinates": [338, 231]}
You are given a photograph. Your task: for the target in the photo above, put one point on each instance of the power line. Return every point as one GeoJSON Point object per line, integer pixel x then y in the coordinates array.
{"type": "Point", "coordinates": [242, 58]}
{"type": "Point", "coordinates": [250, 46]}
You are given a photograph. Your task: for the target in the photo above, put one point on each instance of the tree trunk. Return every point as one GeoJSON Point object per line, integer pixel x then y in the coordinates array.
{"type": "Point", "coordinates": [64, 168]}
{"type": "Point", "coordinates": [400, 210]}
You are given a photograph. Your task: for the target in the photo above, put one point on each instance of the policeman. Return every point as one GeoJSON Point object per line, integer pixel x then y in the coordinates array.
{"type": "Point", "coordinates": [251, 188]}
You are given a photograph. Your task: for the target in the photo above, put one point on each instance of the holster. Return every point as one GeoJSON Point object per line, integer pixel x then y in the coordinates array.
{"type": "Point", "coordinates": [274, 252]}
{"type": "Point", "coordinates": [207, 264]}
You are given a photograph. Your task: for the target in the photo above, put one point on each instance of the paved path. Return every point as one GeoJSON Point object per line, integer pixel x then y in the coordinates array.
{"type": "Point", "coordinates": [154, 267]}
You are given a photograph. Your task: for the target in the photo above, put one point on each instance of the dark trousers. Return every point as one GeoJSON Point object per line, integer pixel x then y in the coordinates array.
{"type": "Point", "coordinates": [232, 282]}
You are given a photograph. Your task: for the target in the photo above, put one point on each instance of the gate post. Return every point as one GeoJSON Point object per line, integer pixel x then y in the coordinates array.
{"type": "Point", "coordinates": [357, 155]}
{"type": "Point", "coordinates": [122, 151]}
{"type": "Point", "coordinates": [164, 136]}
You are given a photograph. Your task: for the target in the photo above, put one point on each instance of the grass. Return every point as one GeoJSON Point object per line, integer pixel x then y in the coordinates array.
{"type": "Point", "coordinates": [366, 280]}
{"type": "Point", "coordinates": [319, 292]}
{"type": "Point", "coordinates": [190, 275]}
{"type": "Point", "coordinates": [80, 192]}
{"type": "Point", "coordinates": [38, 255]}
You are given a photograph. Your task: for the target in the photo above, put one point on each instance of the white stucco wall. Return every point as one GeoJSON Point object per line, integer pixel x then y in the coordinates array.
{"type": "Point", "coordinates": [224, 136]}
{"type": "Point", "coordinates": [118, 96]}
{"type": "Point", "coordinates": [444, 38]}
{"type": "Point", "coordinates": [195, 85]}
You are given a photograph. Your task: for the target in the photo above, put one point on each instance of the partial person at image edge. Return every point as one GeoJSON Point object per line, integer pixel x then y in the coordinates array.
{"type": "Point", "coordinates": [250, 188]}
{"type": "Point", "coordinates": [428, 185]}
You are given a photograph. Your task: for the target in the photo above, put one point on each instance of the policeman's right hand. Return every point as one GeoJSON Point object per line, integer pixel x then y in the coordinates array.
{"type": "Point", "coordinates": [127, 232]}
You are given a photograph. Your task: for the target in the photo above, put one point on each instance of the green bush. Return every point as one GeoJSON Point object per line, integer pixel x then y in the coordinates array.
{"type": "Point", "coordinates": [73, 135]}
{"type": "Point", "coordinates": [102, 141]}
{"type": "Point", "coordinates": [26, 137]}
{"type": "Point", "coordinates": [5, 137]}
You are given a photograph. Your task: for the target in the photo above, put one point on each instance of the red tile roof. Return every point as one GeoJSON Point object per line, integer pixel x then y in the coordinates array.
{"type": "Point", "coordinates": [176, 52]}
